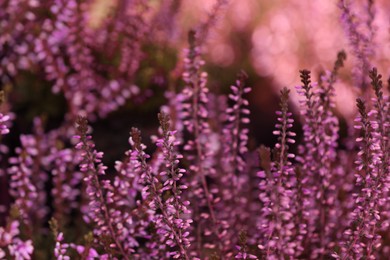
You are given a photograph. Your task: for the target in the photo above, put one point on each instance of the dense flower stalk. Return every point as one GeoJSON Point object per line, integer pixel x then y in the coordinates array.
{"type": "Point", "coordinates": [361, 236]}
{"type": "Point", "coordinates": [317, 155]}
{"type": "Point", "coordinates": [232, 175]}
{"type": "Point", "coordinates": [21, 172]}
{"type": "Point", "coordinates": [277, 190]}
{"type": "Point", "coordinates": [28, 173]}
{"type": "Point", "coordinates": [130, 213]}
{"type": "Point", "coordinates": [200, 150]}
{"type": "Point", "coordinates": [380, 122]}
{"type": "Point", "coordinates": [237, 118]}
{"type": "Point", "coordinates": [100, 195]}
{"type": "Point", "coordinates": [328, 133]}
{"type": "Point", "coordinates": [176, 206]}
{"type": "Point", "coordinates": [308, 156]}
{"type": "Point", "coordinates": [66, 180]}
{"type": "Point", "coordinates": [170, 226]}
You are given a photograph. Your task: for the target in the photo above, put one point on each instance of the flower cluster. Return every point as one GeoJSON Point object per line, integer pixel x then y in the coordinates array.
{"type": "Point", "coordinates": [17, 248]}
{"type": "Point", "coordinates": [100, 193]}
{"type": "Point", "coordinates": [372, 177]}
{"type": "Point", "coordinates": [232, 172]}
{"type": "Point", "coordinates": [60, 42]}
{"type": "Point", "coordinates": [22, 173]}
{"type": "Point", "coordinates": [318, 154]}
{"type": "Point", "coordinates": [202, 186]}
{"type": "Point", "coordinates": [277, 188]}
{"type": "Point", "coordinates": [113, 207]}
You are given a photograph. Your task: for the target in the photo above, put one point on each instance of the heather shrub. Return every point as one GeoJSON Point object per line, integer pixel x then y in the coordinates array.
{"type": "Point", "coordinates": [192, 179]}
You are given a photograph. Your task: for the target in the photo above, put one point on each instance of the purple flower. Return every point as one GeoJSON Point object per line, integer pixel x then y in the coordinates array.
{"type": "Point", "coordinates": [171, 225]}
{"type": "Point", "coordinates": [199, 150]}
{"type": "Point", "coordinates": [278, 232]}
{"type": "Point", "coordinates": [361, 43]}
{"type": "Point", "coordinates": [362, 238]}
{"type": "Point", "coordinates": [317, 154]}
{"type": "Point", "coordinates": [233, 174]}
{"type": "Point", "coordinates": [61, 248]}
{"type": "Point", "coordinates": [3, 124]}
{"type": "Point", "coordinates": [23, 188]}
{"type": "Point", "coordinates": [100, 193]}
{"type": "Point", "coordinates": [17, 248]}
{"type": "Point", "coordinates": [66, 180]}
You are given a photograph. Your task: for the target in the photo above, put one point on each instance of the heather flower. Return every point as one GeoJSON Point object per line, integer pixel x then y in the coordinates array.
{"type": "Point", "coordinates": [381, 119]}
{"type": "Point", "coordinates": [21, 249]}
{"type": "Point", "coordinates": [380, 122]}
{"type": "Point", "coordinates": [49, 42]}
{"type": "Point", "coordinates": [317, 155]}
{"type": "Point", "coordinates": [235, 132]}
{"type": "Point", "coordinates": [361, 43]}
{"type": "Point", "coordinates": [232, 175]}
{"type": "Point", "coordinates": [71, 55]}
{"type": "Point", "coordinates": [197, 192]}
{"type": "Point", "coordinates": [89, 252]}
{"type": "Point", "coordinates": [175, 204]}
{"type": "Point", "coordinates": [66, 180]}
{"type": "Point", "coordinates": [199, 151]}
{"type": "Point", "coordinates": [362, 236]}
{"type": "Point", "coordinates": [132, 215]}
{"type": "Point", "coordinates": [100, 193]}
{"type": "Point", "coordinates": [21, 174]}
{"type": "Point", "coordinates": [28, 177]}
{"type": "Point", "coordinates": [170, 225]}
{"type": "Point", "coordinates": [56, 38]}
{"type": "Point", "coordinates": [3, 124]}
{"type": "Point", "coordinates": [308, 155]}
{"type": "Point", "coordinates": [5, 121]}
{"type": "Point", "coordinates": [28, 171]}
{"type": "Point", "coordinates": [11, 242]}
{"type": "Point", "coordinates": [124, 33]}
{"type": "Point", "coordinates": [61, 248]}
{"type": "Point", "coordinates": [174, 108]}
{"type": "Point", "coordinates": [277, 190]}
{"type": "Point", "coordinates": [18, 18]}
